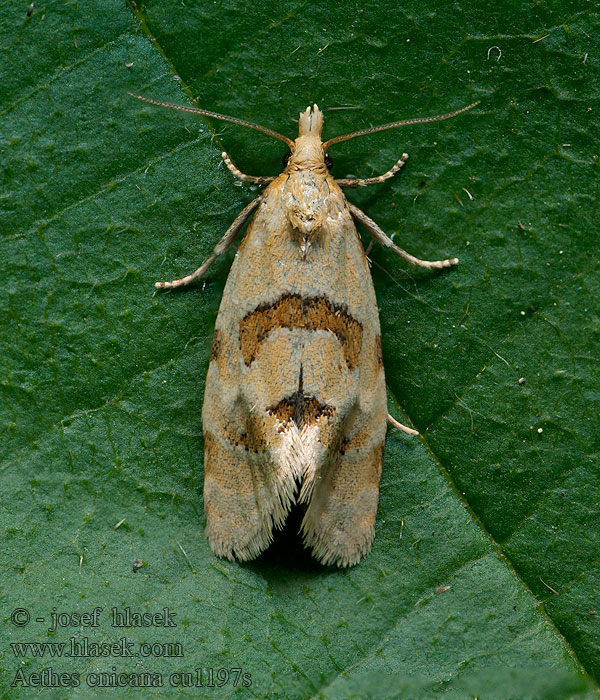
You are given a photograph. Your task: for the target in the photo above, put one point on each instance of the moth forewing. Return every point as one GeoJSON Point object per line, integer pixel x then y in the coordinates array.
{"type": "Point", "coordinates": [295, 401]}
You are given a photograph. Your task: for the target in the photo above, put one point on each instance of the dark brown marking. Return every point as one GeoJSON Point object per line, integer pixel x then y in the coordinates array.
{"type": "Point", "coordinates": [378, 352]}
{"type": "Point", "coordinates": [253, 439]}
{"type": "Point", "coordinates": [359, 441]}
{"type": "Point", "coordinates": [210, 446]}
{"type": "Point", "coordinates": [373, 466]}
{"type": "Point", "coordinates": [310, 313]}
{"type": "Point", "coordinates": [216, 345]}
{"type": "Point", "coordinates": [233, 435]}
{"type": "Point", "coordinates": [223, 466]}
{"type": "Point", "coordinates": [303, 410]}
{"type": "Point", "coordinates": [356, 473]}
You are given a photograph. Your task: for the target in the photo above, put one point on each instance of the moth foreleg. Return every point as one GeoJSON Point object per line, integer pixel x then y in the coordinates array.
{"type": "Point", "coordinates": [351, 182]}
{"type": "Point", "coordinates": [259, 180]}
{"type": "Point", "coordinates": [219, 249]}
{"type": "Point", "coordinates": [400, 426]}
{"type": "Point", "coordinates": [379, 235]}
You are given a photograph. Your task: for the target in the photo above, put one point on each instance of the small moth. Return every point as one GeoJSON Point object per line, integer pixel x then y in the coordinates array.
{"type": "Point", "coordinates": [295, 407]}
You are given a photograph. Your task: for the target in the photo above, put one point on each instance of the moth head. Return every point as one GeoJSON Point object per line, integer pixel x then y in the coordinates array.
{"type": "Point", "coordinates": [307, 152]}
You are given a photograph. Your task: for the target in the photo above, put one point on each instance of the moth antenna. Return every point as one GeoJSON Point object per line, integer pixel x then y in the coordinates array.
{"type": "Point", "coordinates": [393, 125]}
{"type": "Point", "coordinates": [214, 115]}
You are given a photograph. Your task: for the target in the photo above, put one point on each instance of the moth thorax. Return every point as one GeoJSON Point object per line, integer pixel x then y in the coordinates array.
{"type": "Point", "coordinates": [305, 202]}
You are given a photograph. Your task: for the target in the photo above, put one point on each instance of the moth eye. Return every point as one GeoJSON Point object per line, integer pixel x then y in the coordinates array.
{"type": "Point", "coordinates": [285, 158]}
{"type": "Point", "coordinates": [328, 161]}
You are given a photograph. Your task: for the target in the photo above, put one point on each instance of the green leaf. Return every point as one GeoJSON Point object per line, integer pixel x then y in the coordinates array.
{"type": "Point", "coordinates": [483, 577]}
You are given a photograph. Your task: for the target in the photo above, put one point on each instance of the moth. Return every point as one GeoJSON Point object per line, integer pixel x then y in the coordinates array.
{"type": "Point", "coordinates": [295, 408]}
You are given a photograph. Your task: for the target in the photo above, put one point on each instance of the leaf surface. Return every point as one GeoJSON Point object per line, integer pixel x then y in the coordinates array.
{"type": "Point", "coordinates": [483, 576]}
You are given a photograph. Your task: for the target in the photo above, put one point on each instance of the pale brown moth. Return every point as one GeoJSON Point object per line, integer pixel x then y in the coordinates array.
{"type": "Point", "coordinates": [295, 407]}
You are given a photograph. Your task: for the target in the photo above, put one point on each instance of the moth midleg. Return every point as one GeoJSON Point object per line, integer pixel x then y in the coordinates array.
{"type": "Point", "coordinates": [221, 247]}
{"type": "Point", "coordinates": [400, 426]}
{"type": "Point", "coordinates": [257, 179]}
{"type": "Point", "coordinates": [373, 180]}
{"type": "Point", "coordinates": [379, 235]}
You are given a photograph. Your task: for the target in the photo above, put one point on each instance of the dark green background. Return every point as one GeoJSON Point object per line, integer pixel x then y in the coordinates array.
{"type": "Point", "coordinates": [102, 381]}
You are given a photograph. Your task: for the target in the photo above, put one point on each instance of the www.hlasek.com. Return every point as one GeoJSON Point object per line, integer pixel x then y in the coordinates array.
{"type": "Point", "coordinates": [82, 647]}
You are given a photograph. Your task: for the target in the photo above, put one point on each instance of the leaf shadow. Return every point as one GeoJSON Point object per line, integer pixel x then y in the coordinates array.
{"type": "Point", "coordinates": [287, 565]}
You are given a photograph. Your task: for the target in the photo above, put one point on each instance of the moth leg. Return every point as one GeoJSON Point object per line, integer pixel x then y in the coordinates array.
{"type": "Point", "coordinates": [400, 426]}
{"type": "Point", "coordinates": [241, 176]}
{"type": "Point", "coordinates": [219, 249]}
{"type": "Point", "coordinates": [351, 182]}
{"type": "Point", "coordinates": [380, 236]}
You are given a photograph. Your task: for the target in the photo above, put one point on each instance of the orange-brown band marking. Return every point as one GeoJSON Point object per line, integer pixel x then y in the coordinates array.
{"type": "Point", "coordinates": [310, 313]}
